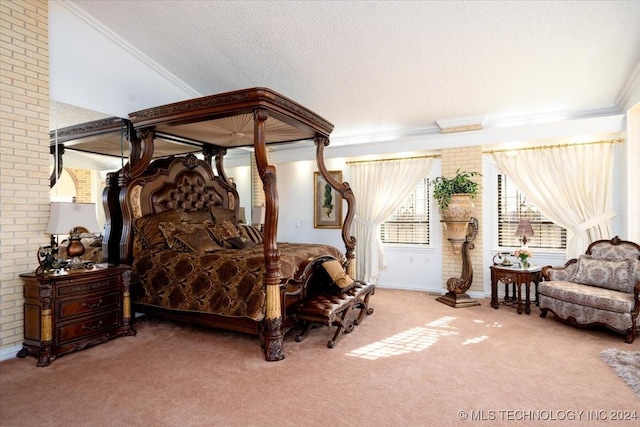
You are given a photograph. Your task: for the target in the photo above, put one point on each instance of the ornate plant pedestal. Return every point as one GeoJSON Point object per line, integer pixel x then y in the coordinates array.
{"type": "Point", "coordinates": [457, 296]}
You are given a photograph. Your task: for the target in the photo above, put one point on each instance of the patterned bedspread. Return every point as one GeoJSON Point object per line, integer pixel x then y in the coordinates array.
{"type": "Point", "coordinates": [228, 282]}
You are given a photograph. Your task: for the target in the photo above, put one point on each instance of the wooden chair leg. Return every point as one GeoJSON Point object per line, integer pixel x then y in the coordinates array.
{"type": "Point", "coordinates": [363, 305]}
{"type": "Point", "coordinates": [341, 327]}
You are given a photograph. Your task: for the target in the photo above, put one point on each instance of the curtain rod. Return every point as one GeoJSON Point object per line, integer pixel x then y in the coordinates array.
{"type": "Point", "coordinates": [545, 147]}
{"type": "Point", "coordinates": [431, 156]}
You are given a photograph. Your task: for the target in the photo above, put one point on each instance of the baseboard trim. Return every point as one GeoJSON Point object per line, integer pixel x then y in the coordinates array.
{"type": "Point", "coordinates": [10, 352]}
{"type": "Point", "coordinates": [431, 290]}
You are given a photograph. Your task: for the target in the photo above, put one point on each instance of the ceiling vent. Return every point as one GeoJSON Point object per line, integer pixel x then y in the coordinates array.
{"type": "Point", "coordinates": [460, 124]}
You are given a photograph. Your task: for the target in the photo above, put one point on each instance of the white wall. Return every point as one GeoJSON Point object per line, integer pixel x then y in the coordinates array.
{"type": "Point", "coordinates": [148, 85]}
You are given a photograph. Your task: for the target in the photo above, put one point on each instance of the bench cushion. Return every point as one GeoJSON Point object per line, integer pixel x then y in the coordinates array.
{"type": "Point", "coordinates": [589, 296]}
{"type": "Point", "coordinates": [324, 307]}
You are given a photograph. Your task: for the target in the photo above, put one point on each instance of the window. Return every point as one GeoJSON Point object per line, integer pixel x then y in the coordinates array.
{"type": "Point", "coordinates": [513, 206]}
{"type": "Point", "coordinates": [410, 223]}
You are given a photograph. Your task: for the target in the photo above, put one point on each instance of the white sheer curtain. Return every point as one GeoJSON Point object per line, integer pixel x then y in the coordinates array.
{"type": "Point", "coordinates": [572, 185]}
{"type": "Point", "coordinates": [380, 189]}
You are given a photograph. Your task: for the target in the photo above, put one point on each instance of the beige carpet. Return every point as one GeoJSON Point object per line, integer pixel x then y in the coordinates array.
{"type": "Point", "coordinates": [414, 362]}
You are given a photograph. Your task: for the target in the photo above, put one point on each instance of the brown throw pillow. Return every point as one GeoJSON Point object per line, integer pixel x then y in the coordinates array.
{"type": "Point", "coordinates": [146, 228]}
{"type": "Point", "coordinates": [186, 237]}
{"type": "Point", "coordinates": [338, 276]}
{"type": "Point", "coordinates": [221, 231]}
{"type": "Point", "coordinates": [195, 217]}
{"type": "Point", "coordinates": [240, 243]}
{"type": "Point", "coordinates": [220, 214]}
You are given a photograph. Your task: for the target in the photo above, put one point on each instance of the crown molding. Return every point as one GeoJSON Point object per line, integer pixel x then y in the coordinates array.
{"type": "Point", "coordinates": [78, 11]}
{"type": "Point", "coordinates": [631, 88]}
{"type": "Point", "coordinates": [549, 117]}
{"type": "Point", "coordinates": [461, 124]}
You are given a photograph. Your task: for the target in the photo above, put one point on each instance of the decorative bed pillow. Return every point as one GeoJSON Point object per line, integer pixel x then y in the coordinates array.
{"type": "Point", "coordinates": [219, 214]}
{"type": "Point", "coordinates": [252, 233]}
{"type": "Point", "coordinates": [240, 242]}
{"type": "Point", "coordinates": [146, 228]}
{"type": "Point", "coordinates": [604, 273]}
{"type": "Point", "coordinates": [195, 217]}
{"type": "Point", "coordinates": [338, 276]}
{"type": "Point", "coordinates": [185, 237]}
{"type": "Point", "coordinates": [221, 231]}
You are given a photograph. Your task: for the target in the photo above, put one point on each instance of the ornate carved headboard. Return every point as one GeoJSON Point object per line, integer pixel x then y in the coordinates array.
{"type": "Point", "coordinates": [184, 184]}
{"type": "Point", "coordinates": [180, 183]}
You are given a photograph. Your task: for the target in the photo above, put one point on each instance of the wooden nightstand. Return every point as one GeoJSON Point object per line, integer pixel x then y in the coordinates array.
{"type": "Point", "coordinates": [69, 311]}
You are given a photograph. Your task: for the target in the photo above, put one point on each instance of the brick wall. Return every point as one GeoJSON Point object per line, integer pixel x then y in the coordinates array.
{"type": "Point", "coordinates": [467, 159]}
{"type": "Point", "coordinates": [84, 186]}
{"type": "Point", "coordinates": [24, 150]}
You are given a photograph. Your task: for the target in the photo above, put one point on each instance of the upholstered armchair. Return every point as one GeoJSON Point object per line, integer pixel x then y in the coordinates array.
{"type": "Point", "coordinates": [601, 287]}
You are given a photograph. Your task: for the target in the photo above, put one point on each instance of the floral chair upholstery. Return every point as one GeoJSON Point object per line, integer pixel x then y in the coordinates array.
{"type": "Point", "coordinates": [601, 287]}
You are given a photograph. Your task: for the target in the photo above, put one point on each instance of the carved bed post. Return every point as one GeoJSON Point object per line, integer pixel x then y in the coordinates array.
{"type": "Point", "coordinates": [57, 169]}
{"type": "Point", "coordinates": [273, 320]}
{"type": "Point", "coordinates": [113, 223]}
{"type": "Point", "coordinates": [457, 296]}
{"type": "Point", "coordinates": [139, 159]}
{"type": "Point", "coordinates": [347, 194]}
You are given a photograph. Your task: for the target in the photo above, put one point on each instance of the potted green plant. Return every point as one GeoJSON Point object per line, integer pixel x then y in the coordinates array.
{"type": "Point", "coordinates": [455, 201]}
{"type": "Point", "coordinates": [444, 188]}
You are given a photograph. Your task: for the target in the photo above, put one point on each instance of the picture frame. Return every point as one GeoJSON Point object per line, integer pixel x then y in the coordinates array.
{"type": "Point", "coordinates": [327, 202]}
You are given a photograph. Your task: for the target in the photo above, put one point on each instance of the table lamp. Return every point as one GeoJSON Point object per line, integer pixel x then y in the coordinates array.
{"type": "Point", "coordinates": [257, 216]}
{"type": "Point", "coordinates": [73, 218]}
{"type": "Point", "coordinates": [525, 230]}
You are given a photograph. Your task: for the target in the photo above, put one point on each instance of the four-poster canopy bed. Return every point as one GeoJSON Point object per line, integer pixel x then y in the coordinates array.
{"type": "Point", "coordinates": [169, 218]}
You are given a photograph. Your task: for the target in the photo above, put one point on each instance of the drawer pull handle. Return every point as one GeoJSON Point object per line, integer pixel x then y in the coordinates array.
{"type": "Point", "coordinates": [94, 327]}
{"type": "Point", "coordinates": [97, 304]}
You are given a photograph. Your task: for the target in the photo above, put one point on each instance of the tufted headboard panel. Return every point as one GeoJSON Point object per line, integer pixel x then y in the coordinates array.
{"type": "Point", "coordinates": [184, 184]}
{"type": "Point", "coordinates": [188, 193]}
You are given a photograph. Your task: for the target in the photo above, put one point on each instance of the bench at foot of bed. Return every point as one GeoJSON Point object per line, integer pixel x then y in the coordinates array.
{"type": "Point", "coordinates": [333, 310]}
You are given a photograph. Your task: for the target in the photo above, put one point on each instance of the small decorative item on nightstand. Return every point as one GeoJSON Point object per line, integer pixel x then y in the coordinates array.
{"type": "Point", "coordinates": [523, 255]}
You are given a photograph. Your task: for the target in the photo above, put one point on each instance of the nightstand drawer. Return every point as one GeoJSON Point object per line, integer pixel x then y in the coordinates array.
{"type": "Point", "coordinates": [79, 306]}
{"type": "Point", "coordinates": [86, 284]}
{"type": "Point", "coordinates": [86, 327]}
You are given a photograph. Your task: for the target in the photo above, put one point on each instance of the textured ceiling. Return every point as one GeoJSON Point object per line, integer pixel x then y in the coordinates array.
{"type": "Point", "coordinates": [376, 66]}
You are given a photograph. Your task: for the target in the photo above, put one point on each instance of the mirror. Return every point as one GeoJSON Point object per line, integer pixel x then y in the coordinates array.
{"type": "Point", "coordinates": [82, 174]}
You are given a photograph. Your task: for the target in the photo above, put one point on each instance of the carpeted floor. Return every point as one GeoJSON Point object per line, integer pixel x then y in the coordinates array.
{"type": "Point", "coordinates": [414, 362]}
{"type": "Point", "coordinates": [626, 364]}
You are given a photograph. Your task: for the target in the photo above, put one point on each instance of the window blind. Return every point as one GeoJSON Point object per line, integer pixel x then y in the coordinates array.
{"type": "Point", "coordinates": [513, 206]}
{"type": "Point", "coordinates": [410, 223]}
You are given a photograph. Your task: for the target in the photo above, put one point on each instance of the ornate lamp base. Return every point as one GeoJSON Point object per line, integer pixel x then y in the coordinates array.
{"type": "Point", "coordinates": [457, 300]}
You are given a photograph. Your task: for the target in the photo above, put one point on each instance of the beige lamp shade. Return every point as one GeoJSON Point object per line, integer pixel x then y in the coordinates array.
{"type": "Point", "coordinates": [66, 216]}
{"type": "Point", "coordinates": [242, 216]}
{"type": "Point", "coordinates": [257, 215]}
{"type": "Point", "coordinates": [525, 230]}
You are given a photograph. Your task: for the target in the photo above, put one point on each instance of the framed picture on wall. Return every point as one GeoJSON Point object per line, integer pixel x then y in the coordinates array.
{"type": "Point", "coordinates": [327, 202]}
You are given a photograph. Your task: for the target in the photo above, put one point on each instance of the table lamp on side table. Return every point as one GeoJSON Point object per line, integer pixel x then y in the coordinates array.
{"type": "Point", "coordinates": [525, 230]}
{"type": "Point", "coordinates": [73, 218]}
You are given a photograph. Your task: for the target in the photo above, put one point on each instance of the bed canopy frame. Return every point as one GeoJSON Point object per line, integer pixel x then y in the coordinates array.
{"type": "Point", "coordinates": [252, 118]}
